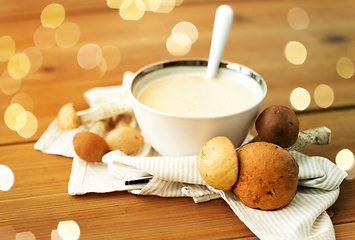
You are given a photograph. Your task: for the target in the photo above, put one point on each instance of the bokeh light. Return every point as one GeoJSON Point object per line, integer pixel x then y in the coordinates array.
{"type": "Point", "coordinates": [52, 15]}
{"type": "Point", "coordinates": [298, 18]}
{"type": "Point", "coordinates": [112, 56]}
{"type": "Point", "coordinates": [67, 35]}
{"type": "Point", "coordinates": [323, 96]}
{"type": "Point", "coordinates": [26, 124]}
{"type": "Point", "coordinates": [345, 67]}
{"type": "Point", "coordinates": [19, 66]}
{"type": "Point", "coordinates": [7, 48]}
{"type": "Point", "coordinates": [11, 114]}
{"type": "Point", "coordinates": [8, 84]}
{"type": "Point", "coordinates": [132, 10]}
{"type": "Point", "coordinates": [345, 159]}
{"type": "Point", "coordinates": [7, 179]}
{"type": "Point", "coordinates": [24, 100]}
{"type": "Point", "coordinates": [55, 235]}
{"type": "Point", "coordinates": [89, 56]}
{"type": "Point", "coordinates": [161, 6]}
{"type": "Point", "coordinates": [44, 38]}
{"type": "Point", "coordinates": [178, 44]}
{"type": "Point", "coordinates": [25, 236]}
{"type": "Point", "coordinates": [295, 52]}
{"type": "Point", "coordinates": [300, 98]}
{"type": "Point", "coordinates": [114, 3]}
{"type": "Point", "coordinates": [188, 29]}
{"type": "Point", "coordinates": [68, 230]}
{"type": "Point", "coordinates": [36, 58]}
{"type": "Point", "coordinates": [49, 68]}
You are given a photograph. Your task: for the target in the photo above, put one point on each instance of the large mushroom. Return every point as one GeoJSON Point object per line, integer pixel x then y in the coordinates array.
{"type": "Point", "coordinates": [218, 163]}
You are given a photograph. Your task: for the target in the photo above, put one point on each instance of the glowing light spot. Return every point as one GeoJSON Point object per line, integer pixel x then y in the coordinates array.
{"type": "Point", "coordinates": [67, 35]}
{"type": "Point", "coordinates": [7, 179]}
{"type": "Point", "coordinates": [132, 9]}
{"type": "Point", "coordinates": [323, 96]}
{"type": "Point", "coordinates": [49, 68]}
{"type": "Point", "coordinates": [178, 44]}
{"type": "Point", "coordinates": [8, 84]}
{"type": "Point", "coordinates": [27, 124]}
{"type": "Point", "coordinates": [295, 52]}
{"type": "Point", "coordinates": [11, 114]}
{"type": "Point", "coordinates": [55, 235]}
{"type": "Point", "coordinates": [7, 48]}
{"type": "Point", "coordinates": [300, 98]}
{"type": "Point", "coordinates": [68, 230]}
{"type": "Point", "coordinates": [24, 100]}
{"type": "Point", "coordinates": [44, 38]}
{"type": "Point", "coordinates": [52, 15]}
{"type": "Point", "coordinates": [19, 66]}
{"type": "Point", "coordinates": [25, 236]}
{"type": "Point", "coordinates": [112, 56]}
{"type": "Point", "coordinates": [188, 29]}
{"type": "Point", "coordinates": [298, 18]}
{"type": "Point", "coordinates": [345, 159]}
{"type": "Point", "coordinates": [36, 58]}
{"type": "Point", "coordinates": [89, 56]}
{"type": "Point", "coordinates": [178, 2]}
{"type": "Point", "coordinates": [114, 3]}
{"type": "Point", "coordinates": [345, 67]}
{"type": "Point", "coordinates": [161, 6]}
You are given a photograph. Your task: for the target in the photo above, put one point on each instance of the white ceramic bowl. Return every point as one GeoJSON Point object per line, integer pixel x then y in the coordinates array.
{"type": "Point", "coordinates": [174, 135]}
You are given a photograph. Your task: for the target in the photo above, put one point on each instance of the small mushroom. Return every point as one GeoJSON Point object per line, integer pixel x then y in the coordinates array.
{"type": "Point", "coordinates": [124, 137]}
{"type": "Point", "coordinates": [217, 163]}
{"type": "Point", "coordinates": [279, 125]}
{"type": "Point", "coordinates": [90, 145]}
{"type": "Point", "coordinates": [67, 119]}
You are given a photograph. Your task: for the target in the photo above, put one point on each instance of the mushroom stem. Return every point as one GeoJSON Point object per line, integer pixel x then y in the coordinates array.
{"type": "Point", "coordinates": [306, 138]}
{"type": "Point", "coordinates": [313, 136]}
{"type": "Point", "coordinates": [100, 127]}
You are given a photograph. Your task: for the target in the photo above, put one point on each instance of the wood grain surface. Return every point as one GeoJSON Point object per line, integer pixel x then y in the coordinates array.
{"type": "Point", "coordinates": [39, 198]}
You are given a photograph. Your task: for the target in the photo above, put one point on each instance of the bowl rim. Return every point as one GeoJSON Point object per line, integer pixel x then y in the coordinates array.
{"type": "Point", "coordinates": [202, 63]}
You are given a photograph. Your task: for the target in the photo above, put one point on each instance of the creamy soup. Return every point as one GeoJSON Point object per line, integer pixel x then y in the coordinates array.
{"type": "Point", "coordinates": [190, 94]}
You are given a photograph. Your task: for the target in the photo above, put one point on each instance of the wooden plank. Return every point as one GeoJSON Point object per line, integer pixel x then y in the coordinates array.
{"type": "Point", "coordinates": [265, 25]}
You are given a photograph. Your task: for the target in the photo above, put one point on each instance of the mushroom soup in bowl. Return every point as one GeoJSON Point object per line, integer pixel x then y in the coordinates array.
{"type": "Point", "coordinates": [179, 110]}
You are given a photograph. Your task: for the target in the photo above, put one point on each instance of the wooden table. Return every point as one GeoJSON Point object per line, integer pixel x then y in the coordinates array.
{"type": "Point", "coordinates": [39, 200]}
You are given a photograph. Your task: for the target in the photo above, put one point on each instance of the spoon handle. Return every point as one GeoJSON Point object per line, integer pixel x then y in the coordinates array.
{"type": "Point", "coordinates": [221, 27]}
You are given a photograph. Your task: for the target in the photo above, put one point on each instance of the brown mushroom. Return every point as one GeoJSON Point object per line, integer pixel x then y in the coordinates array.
{"type": "Point", "coordinates": [67, 119]}
{"type": "Point", "coordinates": [218, 163]}
{"type": "Point", "coordinates": [268, 176]}
{"type": "Point", "coordinates": [124, 137]}
{"type": "Point", "coordinates": [90, 145]}
{"type": "Point", "coordinates": [279, 125]}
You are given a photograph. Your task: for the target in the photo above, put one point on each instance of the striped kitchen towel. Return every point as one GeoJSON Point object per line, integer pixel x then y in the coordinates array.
{"type": "Point", "coordinates": [303, 218]}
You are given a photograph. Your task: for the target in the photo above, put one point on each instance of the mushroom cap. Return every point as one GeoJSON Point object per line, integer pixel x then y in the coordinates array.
{"type": "Point", "coordinates": [268, 176]}
{"type": "Point", "coordinates": [67, 118]}
{"type": "Point", "coordinates": [126, 139]}
{"type": "Point", "coordinates": [218, 163]}
{"type": "Point", "coordinates": [90, 146]}
{"type": "Point", "coordinates": [279, 125]}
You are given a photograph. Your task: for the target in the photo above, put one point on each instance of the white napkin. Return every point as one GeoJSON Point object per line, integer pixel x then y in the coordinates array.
{"type": "Point", "coordinates": [303, 218]}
